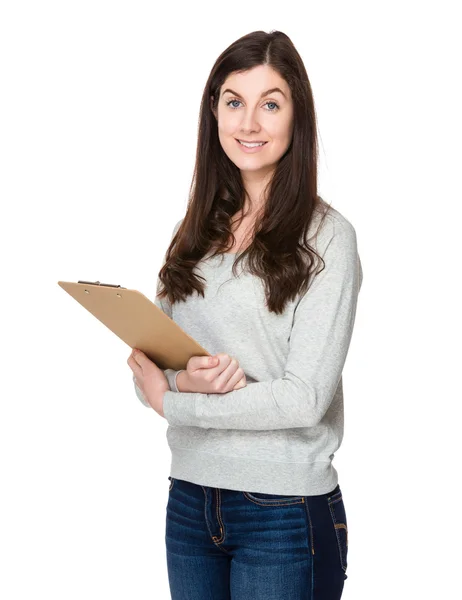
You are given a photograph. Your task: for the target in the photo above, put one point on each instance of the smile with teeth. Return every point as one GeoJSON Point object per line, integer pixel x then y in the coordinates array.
{"type": "Point", "coordinates": [252, 145]}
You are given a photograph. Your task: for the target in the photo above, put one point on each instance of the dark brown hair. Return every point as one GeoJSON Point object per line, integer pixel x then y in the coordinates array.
{"type": "Point", "coordinates": [217, 192]}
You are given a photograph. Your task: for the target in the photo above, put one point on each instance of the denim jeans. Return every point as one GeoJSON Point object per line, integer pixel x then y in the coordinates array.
{"type": "Point", "coordinates": [231, 545]}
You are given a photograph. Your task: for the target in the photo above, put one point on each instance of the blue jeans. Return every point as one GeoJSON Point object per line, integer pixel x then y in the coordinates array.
{"type": "Point", "coordinates": [230, 545]}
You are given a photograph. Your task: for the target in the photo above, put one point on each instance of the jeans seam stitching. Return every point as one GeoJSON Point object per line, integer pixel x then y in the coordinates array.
{"type": "Point", "coordinates": [336, 528]}
{"type": "Point", "coordinates": [275, 502]}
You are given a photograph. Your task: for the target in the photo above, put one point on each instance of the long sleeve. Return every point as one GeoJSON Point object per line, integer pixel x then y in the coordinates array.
{"type": "Point", "coordinates": [319, 340]}
{"type": "Point", "coordinates": [165, 306]}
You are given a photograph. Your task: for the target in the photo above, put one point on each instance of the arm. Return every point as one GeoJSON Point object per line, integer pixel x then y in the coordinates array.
{"type": "Point", "coordinates": [319, 342]}
{"type": "Point", "coordinates": [171, 375]}
{"type": "Point", "coordinates": [164, 305]}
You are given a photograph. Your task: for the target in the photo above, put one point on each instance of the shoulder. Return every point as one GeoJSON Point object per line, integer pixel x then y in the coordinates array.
{"type": "Point", "coordinates": [330, 225]}
{"type": "Point", "coordinates": [177, 226]}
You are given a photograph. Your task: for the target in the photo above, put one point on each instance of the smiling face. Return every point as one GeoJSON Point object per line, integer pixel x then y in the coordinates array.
{"type": "Point", "coordinates": [251, 109]}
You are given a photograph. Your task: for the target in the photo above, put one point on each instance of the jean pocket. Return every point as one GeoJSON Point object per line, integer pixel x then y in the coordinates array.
{"type": "Point", "coordinates": [272, 499]}
{"type": "Point", "coordinates": [172, 481]}
{"type": "Point", "coordinates": [339, 520]}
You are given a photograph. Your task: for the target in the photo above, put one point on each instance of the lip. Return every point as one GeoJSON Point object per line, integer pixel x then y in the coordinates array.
{"type": "Point", "coordinates": [252, 141]}
{"type": "Point", "coordinates": [250, 150]}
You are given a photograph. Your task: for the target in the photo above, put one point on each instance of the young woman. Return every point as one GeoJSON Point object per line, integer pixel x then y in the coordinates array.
{"type": "Point", "coordinates": [255, 509]}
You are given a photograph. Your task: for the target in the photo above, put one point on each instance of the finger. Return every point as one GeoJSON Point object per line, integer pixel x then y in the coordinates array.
{"type": "Point", "coordinates": [202, 362]}
{"type": "Point", "coordinates": [231, 367]}
{"type": "Point", "coordinates": [236, 378]}
{"type": "Point", "coordinates": [137, 355]}
{"type": "Point", "coordinates": [141, 358]}
{"type": "Point", "coordinates": [240, 384]}
{"type": "Point", "coordinates": [224, 362]}
{"type": "Point", "coordinates": [135, 367]}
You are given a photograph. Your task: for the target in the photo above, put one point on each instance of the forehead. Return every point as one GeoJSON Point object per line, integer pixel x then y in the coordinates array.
{"type": "Point", "coordinates": [255, 81]}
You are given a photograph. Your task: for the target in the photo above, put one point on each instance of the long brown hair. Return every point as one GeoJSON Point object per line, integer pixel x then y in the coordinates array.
{"type": "Point", "coordinates": [217, 192]}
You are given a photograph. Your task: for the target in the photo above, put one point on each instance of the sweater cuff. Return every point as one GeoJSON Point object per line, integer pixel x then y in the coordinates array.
{"type": "Point", "coordinates": [171, 376]}
{"type": "Point", "coordinates": [180, 408]}
{"type": "Point", "coordinates": [176, 377]}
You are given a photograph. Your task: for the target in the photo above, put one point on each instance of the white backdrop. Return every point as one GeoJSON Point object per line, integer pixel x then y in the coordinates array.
{"type": "Point", "coordinates": [99, 109]}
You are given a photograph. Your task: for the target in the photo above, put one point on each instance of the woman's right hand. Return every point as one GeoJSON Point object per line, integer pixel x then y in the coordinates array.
{"type": "Point", "coordinates": [211, 375]}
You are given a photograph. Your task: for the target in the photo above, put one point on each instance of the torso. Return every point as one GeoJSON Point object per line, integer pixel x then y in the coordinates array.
{"type": "Point", "coordinates": [243, 233]}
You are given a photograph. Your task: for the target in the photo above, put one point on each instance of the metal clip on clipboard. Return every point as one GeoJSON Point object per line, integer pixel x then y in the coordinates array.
{"type": "Point", "coordinates": [104, 284]}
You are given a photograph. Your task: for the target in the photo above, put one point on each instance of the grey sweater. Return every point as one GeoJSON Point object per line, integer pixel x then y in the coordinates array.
{"type": "Point", "coordinates": [277, 435]}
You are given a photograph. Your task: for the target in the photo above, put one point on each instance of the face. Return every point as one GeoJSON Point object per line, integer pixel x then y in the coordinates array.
{"type": "Point", "coordinates": [250, 109]}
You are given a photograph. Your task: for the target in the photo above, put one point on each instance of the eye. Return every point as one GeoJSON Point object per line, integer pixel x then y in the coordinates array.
{"type": "Point", "coordinates": [268, 102]}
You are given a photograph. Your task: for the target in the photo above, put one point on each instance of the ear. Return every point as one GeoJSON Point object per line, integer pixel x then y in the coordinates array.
{"type": "Point", "coordinates": [212, 109]}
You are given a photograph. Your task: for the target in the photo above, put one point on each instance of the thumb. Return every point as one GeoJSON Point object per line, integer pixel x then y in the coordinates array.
{"type": "Point", "coordinates": [202, 362]}
{"type": "Point", "coordinates": [139, 356]}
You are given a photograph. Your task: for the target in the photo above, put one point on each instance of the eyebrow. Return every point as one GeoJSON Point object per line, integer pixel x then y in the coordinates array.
{"type": "Point", "coordinates": [267, 93]}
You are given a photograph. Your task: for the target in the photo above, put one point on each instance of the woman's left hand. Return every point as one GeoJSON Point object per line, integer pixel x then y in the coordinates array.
{"type": "Point", "coordinates": [150, 379]}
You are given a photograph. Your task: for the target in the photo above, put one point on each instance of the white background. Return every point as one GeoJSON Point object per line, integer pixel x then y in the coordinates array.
{"type": "Point", "coordinates": [99, 109]}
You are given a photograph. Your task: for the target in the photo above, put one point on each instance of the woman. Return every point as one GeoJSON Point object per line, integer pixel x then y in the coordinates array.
{"type": "Point", "coordinates": [255, 509]}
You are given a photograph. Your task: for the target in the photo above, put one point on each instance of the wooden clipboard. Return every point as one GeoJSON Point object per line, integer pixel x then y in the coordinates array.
{"type": "Point", "coordinates": [137, 321]}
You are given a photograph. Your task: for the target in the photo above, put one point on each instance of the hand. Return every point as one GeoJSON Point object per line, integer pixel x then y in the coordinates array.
{"type": "Point", "coordinates": [150, 379]}
{"type": "Point", "coordinates": [211, 375]}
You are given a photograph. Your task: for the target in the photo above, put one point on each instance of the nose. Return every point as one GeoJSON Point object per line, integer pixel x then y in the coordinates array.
{"type": "Point", "coordinates": [249, 121]}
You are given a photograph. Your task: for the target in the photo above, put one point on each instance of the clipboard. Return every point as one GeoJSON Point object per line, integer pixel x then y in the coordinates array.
{"type": "Point", "coordinates": [137, 321]}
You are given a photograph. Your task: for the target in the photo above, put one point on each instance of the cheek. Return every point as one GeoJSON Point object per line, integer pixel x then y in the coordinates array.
{"type": "Point", "coordinates": [226, 140]}
{"type": "Point", "coordinates": [281, 132]}
{"type": "Point", "coordinates": [228, 126]}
